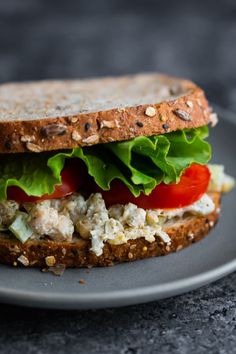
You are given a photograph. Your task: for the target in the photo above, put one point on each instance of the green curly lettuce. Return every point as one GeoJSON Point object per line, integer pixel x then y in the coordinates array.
{"type": "Point", "coordinates": [141, 163]}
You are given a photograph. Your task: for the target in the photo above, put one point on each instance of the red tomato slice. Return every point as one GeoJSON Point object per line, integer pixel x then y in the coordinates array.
{"type": "Point", "coordinates": [72, 177]}
{"type": "Point", "coordinates": [193, 184]}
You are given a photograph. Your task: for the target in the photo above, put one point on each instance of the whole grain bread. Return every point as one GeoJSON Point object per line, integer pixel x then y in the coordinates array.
{"type": "Point", "coordinates": [183, 233]}
{"type": "Point", "coordinates": [52, 115]}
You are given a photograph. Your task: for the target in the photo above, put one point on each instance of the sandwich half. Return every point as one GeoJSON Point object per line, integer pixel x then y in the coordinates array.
{"type": "Point", "coordinates": [96, 172]}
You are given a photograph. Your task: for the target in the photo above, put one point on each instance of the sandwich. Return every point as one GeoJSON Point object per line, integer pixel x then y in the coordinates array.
{"type": "Point", "coordinates": [101, 171]}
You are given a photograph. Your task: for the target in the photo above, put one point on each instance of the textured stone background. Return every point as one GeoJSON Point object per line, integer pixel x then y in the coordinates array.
{"type": "Point", "coordinates": [203, 321]}
{"type": "Point", "coordinates": [196, 39]}
{"type": "Point", "coordinates": [66, 39]}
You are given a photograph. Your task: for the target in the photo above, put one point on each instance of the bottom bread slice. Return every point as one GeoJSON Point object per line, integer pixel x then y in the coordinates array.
{"type": "Point", "coordinates": [182, 232]}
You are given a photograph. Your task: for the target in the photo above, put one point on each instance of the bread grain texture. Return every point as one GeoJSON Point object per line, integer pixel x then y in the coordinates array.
{"type": "Point", "coordinates": [53, 115]}
{"type": "Point", "coordinates": [183, 233]}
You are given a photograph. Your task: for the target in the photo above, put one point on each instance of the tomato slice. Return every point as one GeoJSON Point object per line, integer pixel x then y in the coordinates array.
{"type": "Point", "coordinates": [72, 176]}
{"type": "Point", "coordinates": [193, 184]}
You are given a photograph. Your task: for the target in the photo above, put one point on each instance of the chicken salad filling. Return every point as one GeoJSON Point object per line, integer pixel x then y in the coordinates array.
{"type": "Point", "coordinates": [61, 219]}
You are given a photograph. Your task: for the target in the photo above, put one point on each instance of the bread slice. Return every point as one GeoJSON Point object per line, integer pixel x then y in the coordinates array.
{"type": "Point", "coordinates": [52, 115]}
{"type": "Point", "coordinates": [183, 232]}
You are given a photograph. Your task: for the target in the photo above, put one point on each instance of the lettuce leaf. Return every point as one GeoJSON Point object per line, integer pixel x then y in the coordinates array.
{"type": "Point", "coordinates": [141, 163]}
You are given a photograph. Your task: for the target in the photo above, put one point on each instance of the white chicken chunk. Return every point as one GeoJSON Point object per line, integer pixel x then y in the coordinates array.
{"type": "Point", "coordinates": [46, 220]}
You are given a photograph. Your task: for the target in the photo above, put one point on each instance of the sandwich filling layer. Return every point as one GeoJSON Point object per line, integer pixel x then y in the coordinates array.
{"type": "Point", "coordinates": [66, 219]}
{"type": "Point", "coordinates": [111, 192]}
{"type": "Point", "coordinates": [61, 219]}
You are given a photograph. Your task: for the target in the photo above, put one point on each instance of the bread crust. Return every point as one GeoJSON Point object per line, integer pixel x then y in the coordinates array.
{"type": "Point", "coordinates": [77, 254]}
{"type": "Point", "coordinates": [52, 127]}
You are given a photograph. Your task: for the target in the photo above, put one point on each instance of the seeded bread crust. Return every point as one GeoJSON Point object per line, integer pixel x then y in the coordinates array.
{"type": "Point", "coordinates": [51, 115]}
{"type": "Point", "coordinates": [183, 233]}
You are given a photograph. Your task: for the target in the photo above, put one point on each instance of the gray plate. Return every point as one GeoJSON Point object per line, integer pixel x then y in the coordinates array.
{"type": "Point", "coordinates": [141, 281]}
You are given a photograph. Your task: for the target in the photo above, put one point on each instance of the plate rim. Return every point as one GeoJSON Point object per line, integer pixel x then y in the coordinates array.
{"type": "Point", "coordinates": [115, 297]}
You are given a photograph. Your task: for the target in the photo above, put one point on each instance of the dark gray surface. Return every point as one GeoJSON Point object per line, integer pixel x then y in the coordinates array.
{"type": "Point", "coordinates": [196, 39]}
{"type": "Point", "coordinates": [203, 321]}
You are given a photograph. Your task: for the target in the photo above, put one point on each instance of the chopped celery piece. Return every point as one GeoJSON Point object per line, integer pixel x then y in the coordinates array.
{"type": "Point", "coordinates": [217, 177]}
{"type": "Point", "coordinates": [20, 228]}
{"type": "Point", "coordinates": [220, 181]}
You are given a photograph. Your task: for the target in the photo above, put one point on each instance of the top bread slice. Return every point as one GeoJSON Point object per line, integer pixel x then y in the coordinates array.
{"type": "Point", "coordinates": [51, 115]}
